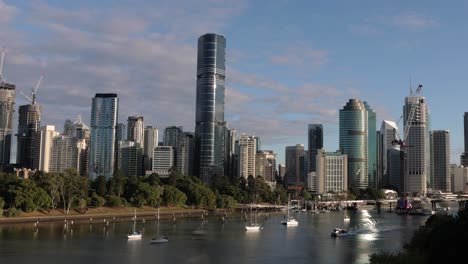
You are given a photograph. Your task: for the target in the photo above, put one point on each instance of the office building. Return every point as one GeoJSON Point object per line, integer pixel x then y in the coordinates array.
{"type": "Point", "coordinates": [121, 133]}
{"type": "Point", "coordinates": [416, 158]}
{"type": "Point", "coordinates": [170, 135]}
{"type": "Point", "coordinates": [371, 145]}
{"type": "Point", "coordinates": [331, 173]}
{"type": "Point", "coordinates": [353, 142]}
{"type": "Point", "coordinates": [388, 133]}
{"type": "Point", "coordinates": [294, 170]}
{"type": "Point", "coordinates": [464, 156]}
{"type": "Point", "coordinates": [440, 160]}
{"type": "Point", "coordinates": [315, 138]}
{"type": "Point", "coordinates": [185, 150]}
{"type": "Point", "coordinates": [104, 120]}
{"type": "Point", "coordinates": [67, 154]}
{"type": "Point", "coordinates": [209, 119]}
{"type": "Point", "coordinates": [130, 158]}
{"type": "Point", "coordinates": [163, 160]}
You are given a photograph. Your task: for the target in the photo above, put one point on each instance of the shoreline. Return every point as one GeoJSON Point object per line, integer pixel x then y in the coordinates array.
{"type": "Point", "coordinates": [106, 215]}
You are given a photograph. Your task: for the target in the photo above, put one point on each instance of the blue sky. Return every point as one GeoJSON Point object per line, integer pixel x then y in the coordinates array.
{"type": "Point", "coordinates": [289, 63]}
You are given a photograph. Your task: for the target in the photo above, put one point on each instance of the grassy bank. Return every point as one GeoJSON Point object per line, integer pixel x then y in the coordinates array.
{"type": "Point", "coordinates": [104, 214]}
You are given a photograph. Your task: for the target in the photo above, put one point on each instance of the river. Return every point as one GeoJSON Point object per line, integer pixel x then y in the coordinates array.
{"type": "Point", "coordinates": [213, 239]}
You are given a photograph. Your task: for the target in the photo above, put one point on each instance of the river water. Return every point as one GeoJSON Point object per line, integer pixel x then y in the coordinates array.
{"type": "Point", "coordinates": [213, 239]}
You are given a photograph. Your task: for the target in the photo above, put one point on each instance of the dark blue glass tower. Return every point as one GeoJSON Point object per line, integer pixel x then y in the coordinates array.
{"type": "Point", "coordinates": [209, 120]}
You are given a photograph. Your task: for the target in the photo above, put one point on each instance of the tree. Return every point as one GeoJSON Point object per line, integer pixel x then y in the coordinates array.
{"type": "Point", "coordinates": [2, 204]}
{"type": "Point", "coordinates": [50, 182]}
{"type": "Point", "coordinates": [100, 185]}
{"type": "Point", "coordinates": [173, 197]}
{"type": "Point", "coordinates": [29, 197]}
{"type": "Point", "coordinates": [146, 194]}
{"type": "Point", "coordinates": [117, 183]}
{"type": "Point", "coordinates": [73, 188]}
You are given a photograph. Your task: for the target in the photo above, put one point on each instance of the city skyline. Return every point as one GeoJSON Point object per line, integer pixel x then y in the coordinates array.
{"type": "Point", "coordinates": [274, 89]}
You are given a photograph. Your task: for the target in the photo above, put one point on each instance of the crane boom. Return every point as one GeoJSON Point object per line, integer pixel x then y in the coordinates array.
{"type": "Point", "coordinates": [1, 65]}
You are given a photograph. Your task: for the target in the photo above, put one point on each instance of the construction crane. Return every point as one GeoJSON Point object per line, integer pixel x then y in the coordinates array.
{"type": "Point", "coordinates": [34, 91]}
{"type": "Point", "coordinates": [409, 120]}
{"type": "Point", "coordinates": [1, 65]}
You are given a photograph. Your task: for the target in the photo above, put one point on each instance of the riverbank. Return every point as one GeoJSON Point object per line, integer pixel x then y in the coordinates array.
{"type": "Point", "coordinates": [103, 214]}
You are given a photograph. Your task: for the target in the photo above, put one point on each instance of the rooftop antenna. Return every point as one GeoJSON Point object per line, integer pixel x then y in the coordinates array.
{"type": "Point", "coordinates": [1, 64]}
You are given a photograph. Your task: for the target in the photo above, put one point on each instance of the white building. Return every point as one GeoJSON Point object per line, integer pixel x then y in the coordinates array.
{"type": "Point", "coordinates": [247, 150]}
{"type": "Point", "coordinates": [150, 141]}
{"type": "Point", "coordinates": [415, 179]}
{"type": "Point", "coordinates": [460, 179]}
{"type": "Point", "coordinates": [42, 152]}
{"type": "Point", "coordinates": [163, 160]}
{"type": "Point", "coordinates": [332, 172]}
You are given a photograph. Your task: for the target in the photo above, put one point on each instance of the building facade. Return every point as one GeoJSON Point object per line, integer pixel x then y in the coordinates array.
{"type": "Point", "coordinates": [163, 160]}
{"type": "Point", "coordinates": [7, 107]}
{"type": "Point", "coordinates": [353, 142]}
{"type": "Point", "coordinates": [29, 121]}
{"type": "Point", "coordinates": [416, 158]}
{"type": "Point", "coordinates": [135, 130]}
{"type": "Point", "coordinates": [440, 160]}
{"type": "Point", "coordinates": [371, 145]}
{"type": "Point", "coordinates": [150, 141]}
{"type": "Point", "coordinates": [104, 120]}
{"type": "Point", "coordinates": [210, 99]}
{"type": "Point", "coordinates": [315, 138]}
{"type": "Point", "coordinates": [247, 151]}
{"type": "Point", "coordinates": [294, 171]}
{"type": "Point", "coordinates": [185, 153]}
{"type": "Point", "coordinates": [42, 147]}
{"type": "Point", "coordinates": [332, 172]}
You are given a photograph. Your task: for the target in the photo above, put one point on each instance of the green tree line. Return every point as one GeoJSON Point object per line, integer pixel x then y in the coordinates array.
{"type": "Point", "coordinates": [71, 191]}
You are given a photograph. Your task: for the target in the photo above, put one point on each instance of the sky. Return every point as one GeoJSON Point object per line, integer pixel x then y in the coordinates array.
{"type": "Point", "coordinates": [288, 63]}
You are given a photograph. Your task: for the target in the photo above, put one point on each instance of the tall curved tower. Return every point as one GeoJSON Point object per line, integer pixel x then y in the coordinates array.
{"type": "Point", "coordinates": [209, 120]}
{"type": "Point", "coordinates": [354, 142]}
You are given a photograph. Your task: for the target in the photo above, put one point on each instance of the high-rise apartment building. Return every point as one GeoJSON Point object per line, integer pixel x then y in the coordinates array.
{"type": "Point", "coordinates": [42, 147]}
{"type": "Point", "coordinates": [121, 133]}
{"type": "Point", "coordinates": [416, 158]}
{"type": "Point", "coordinates": [230, 146]}
{"type": "Point", "coordinates": [315, 138]}
{"type": "Point", "coordinates": [353, 141]}
{"type": "Point", "coordinates": [247, 151]}
{"type": "Point", "coordinates": [150, 142]}
{"type": "Point", "coordinates": [29, 120]}
{"type": "Point", "coordinates": [440, 160]}
{"type": "Point", "coordinates": [135, 130]}
{"type": "Point", "coordinates": [104, 119]}
{"type": "Point", "coordinates": [294, 170]}
{"type": "Point", "coordinates": [209, 119]}
{"type": "Point", "coordinates": [67, 153]}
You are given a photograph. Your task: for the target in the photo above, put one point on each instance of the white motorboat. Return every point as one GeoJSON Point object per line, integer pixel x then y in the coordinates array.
{"type": "Point", "coordinates": [338, 232]}
{"type": "Point", "coordinates": [346, 218]}
{"type": "Point", "coordinates": [253, 225]}
{"type": "Point", "coordinates": [290, 220]}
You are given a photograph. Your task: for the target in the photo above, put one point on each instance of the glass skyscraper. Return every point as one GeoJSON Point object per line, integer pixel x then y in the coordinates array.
{"type": "Point", "coordinates": [353, 123]}
{"type": "Point", "coordinates": [209, 120]}
{"type": "Point", "coordinates": [315, 137]}
{"type": "Point", "coordinates": [371, 145]}
{"type": "Point", "coordinates": [104, 113]}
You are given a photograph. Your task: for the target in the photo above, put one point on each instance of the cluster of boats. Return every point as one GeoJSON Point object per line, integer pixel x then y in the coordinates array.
{"type": "Point", "coordinates": [134, 234]}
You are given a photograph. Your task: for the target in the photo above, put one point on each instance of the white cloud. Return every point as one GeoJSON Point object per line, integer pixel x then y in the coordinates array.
{"type": "Point", "coordinates": [411, 20]}
{"type": "Point", "coordinates": [7, 12]}
{"type": "Point", "coordinates": [301, 55]}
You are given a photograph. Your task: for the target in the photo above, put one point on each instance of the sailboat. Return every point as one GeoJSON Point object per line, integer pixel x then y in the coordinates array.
{"type": "Point", "coordinates": [252, 226]}
{"type": "Point", "coordinates": [158, 238]}
{"type": "Point", "coordinates": [290, 220]}
{"type": "Point", "coordinates": [134, 234]}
